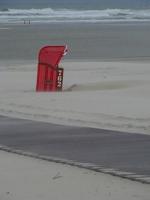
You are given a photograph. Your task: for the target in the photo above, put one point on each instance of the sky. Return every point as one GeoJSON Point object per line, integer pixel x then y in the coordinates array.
{"type": "Point", "coordinates": [93, 4]}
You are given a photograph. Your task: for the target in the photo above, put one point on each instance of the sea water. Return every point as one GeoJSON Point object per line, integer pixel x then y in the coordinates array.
{"type": "Point", "coordinates": [90, 11]}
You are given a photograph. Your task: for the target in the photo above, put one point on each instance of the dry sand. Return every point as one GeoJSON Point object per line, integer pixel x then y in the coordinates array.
{"type": "Point", "coordinates": [110, 95]}
{"type": "Point", "coordinates": [27, 178]}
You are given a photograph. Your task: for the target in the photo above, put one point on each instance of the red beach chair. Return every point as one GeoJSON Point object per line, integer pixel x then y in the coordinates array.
{"type": "Point", "coordinates": [49, 75]}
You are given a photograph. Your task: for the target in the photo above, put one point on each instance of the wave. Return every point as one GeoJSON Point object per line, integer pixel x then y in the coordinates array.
{"type": "Point", "coordinates": [68, 15]}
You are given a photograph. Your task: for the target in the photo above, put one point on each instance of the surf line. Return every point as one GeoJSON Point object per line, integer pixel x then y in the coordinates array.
{"type": "Point", "coordinates": [4, 28]}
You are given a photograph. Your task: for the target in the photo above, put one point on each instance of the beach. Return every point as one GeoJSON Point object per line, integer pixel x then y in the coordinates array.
{"type": "Point", "coordinates": [106, 80]}
{"type": "Point", "coordinates": [106, 86]}
{"type": "Point", "coordinates": [111, 95]}
{"type": "Point", "coordinates": [96, 41]}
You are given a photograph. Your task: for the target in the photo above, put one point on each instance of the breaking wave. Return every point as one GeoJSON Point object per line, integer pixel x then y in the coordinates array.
{"type": "Point", "coordinates": [68, 15]}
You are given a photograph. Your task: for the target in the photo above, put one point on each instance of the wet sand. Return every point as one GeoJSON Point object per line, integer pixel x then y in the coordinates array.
{"type": "Point", "coordinates": [116, 41]}
{"type": "Point", "coordinates": [88, 148]}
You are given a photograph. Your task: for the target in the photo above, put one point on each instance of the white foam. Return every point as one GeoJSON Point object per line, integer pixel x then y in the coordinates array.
{"type": "Point", "coordinates": [68, 15]}
{"type": "Point", "coordinates": [4, 28]}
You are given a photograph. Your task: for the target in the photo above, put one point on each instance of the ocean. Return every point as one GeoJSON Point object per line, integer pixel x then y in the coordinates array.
{"type": "Point", "coordinates": [53, 11]}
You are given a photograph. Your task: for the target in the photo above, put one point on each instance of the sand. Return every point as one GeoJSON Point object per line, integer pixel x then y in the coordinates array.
{"type": "Point", "coordinates": [97, 41]}
{"type": "Point", "coordinates": [106, 85]}
{"type": "Point", "coordinates": [27, 178]}
{"type": "Point", "coordinates": [110, 95]}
